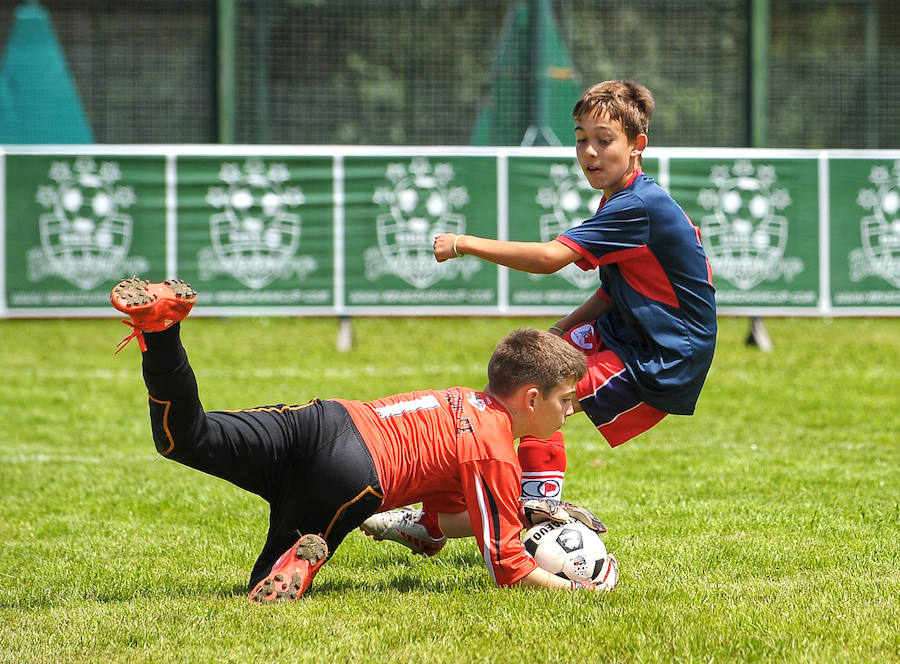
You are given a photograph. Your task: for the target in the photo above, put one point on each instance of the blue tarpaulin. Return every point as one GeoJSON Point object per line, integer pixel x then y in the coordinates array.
{"type": "Point", "coordinates": [38, 99]}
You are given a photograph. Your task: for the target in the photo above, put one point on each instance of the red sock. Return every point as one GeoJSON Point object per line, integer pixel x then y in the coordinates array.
{"type": "Point", "coordinates": [430, 521]}
{"type": "Point", "coordinates": [543, 462]}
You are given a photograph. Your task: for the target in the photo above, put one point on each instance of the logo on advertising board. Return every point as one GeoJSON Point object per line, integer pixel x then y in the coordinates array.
{"type": "Point", "coordinates": [570, 200]}
{"type": "Point", "coordinates": [744, 234]}
{"type": "Point", "coordinates": [879, 255]}
{"type": "Point", "coordinates": [255, 235]}
{"type": "Point", "coordinates": [419, 204]}
{"type": "Point", "coordinates": [85, 233]}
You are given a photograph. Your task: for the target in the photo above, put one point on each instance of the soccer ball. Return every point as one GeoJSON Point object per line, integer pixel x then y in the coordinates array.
{"type": "Point", "coordinates": [570, 550]}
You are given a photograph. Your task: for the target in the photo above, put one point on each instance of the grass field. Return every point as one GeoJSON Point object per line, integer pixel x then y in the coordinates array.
{"type": "Point", "coordinates": [765, 528]}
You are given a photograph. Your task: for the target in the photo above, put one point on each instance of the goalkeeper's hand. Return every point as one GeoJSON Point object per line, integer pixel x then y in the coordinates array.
{"type": "Point", "coordinates": [607, 583]}
{"type": "Point", "coordinates": [535, 511]}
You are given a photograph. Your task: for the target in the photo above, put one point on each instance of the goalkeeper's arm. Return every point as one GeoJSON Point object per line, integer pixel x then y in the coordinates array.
{"type": "Point", "coordinates": [541, 578]}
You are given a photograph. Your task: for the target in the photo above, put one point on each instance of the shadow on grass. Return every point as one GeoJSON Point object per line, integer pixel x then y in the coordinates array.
{"type": "Point", "coordinates": [394, 571]}
{"type": "Point", "coordinates": [399, 572]}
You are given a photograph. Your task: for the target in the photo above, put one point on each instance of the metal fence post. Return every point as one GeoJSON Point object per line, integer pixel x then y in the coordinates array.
{"type": "Point", "coordinates": [758, 72]}
{"type": "Point", "coordinates": [225, 70]}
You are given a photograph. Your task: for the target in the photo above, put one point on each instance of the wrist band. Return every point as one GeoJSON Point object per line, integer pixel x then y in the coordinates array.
{"type": "Point", "coordinates": [455, 250]}
{"type": "Point", "coordinates": [554, 328]}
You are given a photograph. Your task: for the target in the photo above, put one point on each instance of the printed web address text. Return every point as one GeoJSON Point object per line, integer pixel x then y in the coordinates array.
{"type": "Point", "coordinates": [436, 296]}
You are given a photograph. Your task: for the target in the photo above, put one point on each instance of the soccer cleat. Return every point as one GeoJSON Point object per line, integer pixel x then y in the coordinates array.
{"type": "Point", "coordinates": [293, 572]}
{"type": "Point", "coordinates": [152, 307]}
{"type": "Point", "coordinates": [413, 528]}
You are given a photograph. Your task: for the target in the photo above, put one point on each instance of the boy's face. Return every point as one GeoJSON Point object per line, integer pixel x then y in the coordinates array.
{"type": "Point", "coordinates": [550, 412]}
{"type": "Point", "coordinates": [605, 154]}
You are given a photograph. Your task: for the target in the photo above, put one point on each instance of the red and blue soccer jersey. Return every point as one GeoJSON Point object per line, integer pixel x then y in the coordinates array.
{"type": "Point", "coordinates": [453, 450]}
{"type": "Point", "coordinates": [654, 271]}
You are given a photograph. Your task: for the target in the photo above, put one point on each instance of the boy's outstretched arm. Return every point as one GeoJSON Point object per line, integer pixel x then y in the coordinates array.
{"type": "Point", "coordinates": [533, 257]}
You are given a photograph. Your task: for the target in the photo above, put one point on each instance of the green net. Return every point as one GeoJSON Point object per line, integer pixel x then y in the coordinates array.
{"type": "Point", "coordinates": [461, 72]}
{"type": "Point", "coordinates": [38, 101]}
{"type": "Point", "coordinates": [143, 69]}
{"type": "Point", "coordinates": [834, 74]}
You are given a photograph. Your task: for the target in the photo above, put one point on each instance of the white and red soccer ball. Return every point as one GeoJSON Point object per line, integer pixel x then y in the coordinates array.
{"type": "Point", "coordinates": [573, 551]}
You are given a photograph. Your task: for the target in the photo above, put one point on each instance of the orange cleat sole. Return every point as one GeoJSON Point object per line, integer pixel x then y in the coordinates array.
{"type": "Point", "coordinates": [153, 306]}
{"type": "Point", "coordinates": [293, 572]}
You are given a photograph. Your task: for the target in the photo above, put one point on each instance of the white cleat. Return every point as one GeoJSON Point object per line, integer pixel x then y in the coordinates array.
{"type": "Point", "coordinates": [417, 531]}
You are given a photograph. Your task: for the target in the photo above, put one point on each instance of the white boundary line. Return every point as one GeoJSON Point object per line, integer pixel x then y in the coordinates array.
{"type": "Point", "coordinates": [824, 236]}
{"type": "Point", "coordinates": [502, 228]}
{"type": "Point", "coordinates": [171, 216]}
{"type": "Point", "coordinates": [338, 235]}
{"type": "Point", "coordinates": [651, 152]}
{"type": "Point", "coordinates": [664, 177]}
{"type": "Point", "coordinates": [448, 311]}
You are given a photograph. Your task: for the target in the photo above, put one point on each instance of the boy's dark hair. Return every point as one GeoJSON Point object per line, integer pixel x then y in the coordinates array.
{"type": "Point", "coordinates": [626, 101]}
{"type": "Point", "coordinates": [533, 357]}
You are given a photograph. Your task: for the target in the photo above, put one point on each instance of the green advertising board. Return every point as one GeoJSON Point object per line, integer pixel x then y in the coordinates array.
{"type": "Point", "coordinates": [865, 232]}
{"type": "Point", "coordinates": [393, 209]}
{"type": "Point", "coordinates": [75, 225]}
{"type": "Point", "coordinates": [257, 231]}
{"type": "Point", "coordinates": [345, 231]}
{"type": "Point", "coordinates": [759, 224]}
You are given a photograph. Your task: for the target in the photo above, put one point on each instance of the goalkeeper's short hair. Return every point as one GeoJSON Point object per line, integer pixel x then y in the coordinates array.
{"type": "Point", "coordinates": [533, 357]}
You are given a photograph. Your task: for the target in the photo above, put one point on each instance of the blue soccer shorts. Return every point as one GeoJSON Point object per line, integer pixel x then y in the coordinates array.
{"type": "Point", "coordinates": [607, 393]}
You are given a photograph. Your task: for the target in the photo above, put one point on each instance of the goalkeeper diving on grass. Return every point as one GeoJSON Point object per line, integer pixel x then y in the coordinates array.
{"type": "Point", "coordinates": [326, 466]}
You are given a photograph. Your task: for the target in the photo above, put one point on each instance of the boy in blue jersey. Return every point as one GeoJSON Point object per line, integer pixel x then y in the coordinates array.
{"type": "Point", "coordinates": [653, 320]}
{"type": "Point", "coordinates": [649, 331]}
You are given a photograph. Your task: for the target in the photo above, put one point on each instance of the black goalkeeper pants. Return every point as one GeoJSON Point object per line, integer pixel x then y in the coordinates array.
{"type": "Point", "coordinates": [309, 462]}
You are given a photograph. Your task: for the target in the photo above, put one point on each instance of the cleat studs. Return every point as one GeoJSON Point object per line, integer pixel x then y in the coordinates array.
{"type": "Point", "coordinates": [311, 549]}
{"type": "Point", "coordinates": [278, 577]}
{"type": "Point", "coordinates": [181, 289]}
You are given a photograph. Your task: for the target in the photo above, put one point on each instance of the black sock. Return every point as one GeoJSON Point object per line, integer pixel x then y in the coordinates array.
{"type": "Point", "coordinates": [164, 352]}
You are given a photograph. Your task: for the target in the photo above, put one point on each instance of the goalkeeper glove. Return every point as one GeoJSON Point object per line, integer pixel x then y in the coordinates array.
{"type": "Point", "coordinates": [547, 509]}
{"type": "Point", "coordinates": [609, 581]}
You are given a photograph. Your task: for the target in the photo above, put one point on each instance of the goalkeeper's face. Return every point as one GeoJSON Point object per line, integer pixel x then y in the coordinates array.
{"type": "Point", "coordinates": [551, 410]}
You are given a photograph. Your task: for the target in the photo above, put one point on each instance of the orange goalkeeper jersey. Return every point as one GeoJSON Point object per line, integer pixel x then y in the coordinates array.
{"type": "Point", "coordinates": [451, 449]}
